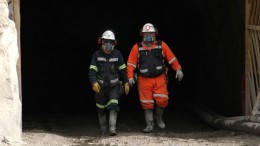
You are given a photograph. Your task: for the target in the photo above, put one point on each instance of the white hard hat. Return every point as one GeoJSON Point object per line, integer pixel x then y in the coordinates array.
{"type": "Point", "coordinates": [148, 27]}
{"type": "Point", "coordinates": [108, 35]}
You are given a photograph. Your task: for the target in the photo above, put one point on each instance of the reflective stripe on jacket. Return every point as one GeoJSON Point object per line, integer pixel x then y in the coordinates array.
{"type": "Point", "coordinates": [167, 53]}
{"type": "Point", "coordinates": [107, 69]}
{"type": "Point", "coordinates": [151, 62]}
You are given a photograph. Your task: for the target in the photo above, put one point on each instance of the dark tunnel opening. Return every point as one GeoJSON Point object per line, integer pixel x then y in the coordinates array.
{"type": "Point", "coordinates": [58, 39]}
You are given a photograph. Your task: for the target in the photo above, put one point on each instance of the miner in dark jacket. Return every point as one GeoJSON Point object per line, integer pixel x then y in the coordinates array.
{"type": "Point", "coordinates": [106, 70]}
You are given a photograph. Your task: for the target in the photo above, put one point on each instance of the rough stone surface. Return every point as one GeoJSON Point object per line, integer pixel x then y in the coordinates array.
{"type": "Point", "coordinates": [10, 104]}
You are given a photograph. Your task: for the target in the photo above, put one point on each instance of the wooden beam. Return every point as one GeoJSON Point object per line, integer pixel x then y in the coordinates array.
{"type": "Point", "coordinates": [253, 27]}
{"type": "Point", "coordinates": [247, 59]}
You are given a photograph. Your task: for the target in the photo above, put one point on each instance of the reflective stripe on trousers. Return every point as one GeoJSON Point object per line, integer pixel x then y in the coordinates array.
{"type": "Point", "coordinates": [107, 98]}
{"type": "Point", "coordinates": [153, 89]}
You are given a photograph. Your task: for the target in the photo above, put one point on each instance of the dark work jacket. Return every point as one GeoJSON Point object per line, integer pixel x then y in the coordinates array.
{"type": "Point", "coordinates": [107, 69]}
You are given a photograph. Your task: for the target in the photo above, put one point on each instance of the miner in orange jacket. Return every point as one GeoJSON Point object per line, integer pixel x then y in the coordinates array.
{"type": "Point", "coordinates": [147, 58]}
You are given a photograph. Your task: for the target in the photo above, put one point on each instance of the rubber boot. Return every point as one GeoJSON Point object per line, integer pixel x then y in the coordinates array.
{"type": "Point", "coordinates": [112, 122]}
{"type": "Point", "coordinates": [159, 112]}
{"type": "Point", "coordinates": [149, 120]}
{"type": "Point", "coordinates": [102, 122]}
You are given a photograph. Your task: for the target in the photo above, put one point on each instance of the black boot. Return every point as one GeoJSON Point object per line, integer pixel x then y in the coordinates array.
{"type": "Point", "coordinates": [112, 122]}
{"type": "Point", "coordinates": [149, 120]}
{"type": "Point", "coordinates": [102, 122]}
{"type": "Point", "coordinates": [159, 112]}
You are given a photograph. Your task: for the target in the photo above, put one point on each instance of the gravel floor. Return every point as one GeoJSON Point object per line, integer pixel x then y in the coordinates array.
{"type": "Point", "coordinates": [182, 129]}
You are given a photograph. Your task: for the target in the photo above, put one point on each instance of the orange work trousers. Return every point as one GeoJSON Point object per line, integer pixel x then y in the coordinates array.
{"type": "Point", "coordinates": [153, 90]}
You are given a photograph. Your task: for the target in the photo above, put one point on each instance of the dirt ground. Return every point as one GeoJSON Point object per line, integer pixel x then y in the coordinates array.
{"type": "Point", "coordinates": [182, 129]}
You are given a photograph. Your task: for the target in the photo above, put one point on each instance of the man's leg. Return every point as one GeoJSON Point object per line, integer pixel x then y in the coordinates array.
{"type": "Point", "coordinates": [161, 97]}
{"type": "Point", "coordinates": [149, 120]}
{"type": "Point", "coordinates": [113, 108]}
{"type": "Point", "coordinates": [145, 89]}
{"type": "Point", "coordinates": [101, 106]}
{"type": "Point", "coordinates": [158, 116]}
{"type": "Point", "coordinates": [102, 121]}
{"type": "Point", "coordinates": [112, 122]}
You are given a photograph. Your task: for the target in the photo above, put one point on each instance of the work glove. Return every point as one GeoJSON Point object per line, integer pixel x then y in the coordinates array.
{"type": "Point", "coordinates": [131, 81]}
{"type": "Point", "coordinates": [96, 87]}
{"type": "Point", "coordinates": [127, 88]}
{"type": "Point", "coordinates": [179, 75]}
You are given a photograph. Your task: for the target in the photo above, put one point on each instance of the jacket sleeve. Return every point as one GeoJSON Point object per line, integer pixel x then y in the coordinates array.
{"type": "Point", "coordinates": [122, 68]}
{"type": "Point", "coordinates": [170, 57]}
{"type": "Point", "coordinates": [93, 69]}
{"type": "Point", "coordinates": [132, 61]}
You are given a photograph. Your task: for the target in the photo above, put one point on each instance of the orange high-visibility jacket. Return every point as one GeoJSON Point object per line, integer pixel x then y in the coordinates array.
{"type": "Point", "coordinates": [134, 54]}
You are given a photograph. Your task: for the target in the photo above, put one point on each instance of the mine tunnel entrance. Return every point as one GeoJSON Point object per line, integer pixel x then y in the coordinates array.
{"type": "Point", "coordinates": [59, 37]}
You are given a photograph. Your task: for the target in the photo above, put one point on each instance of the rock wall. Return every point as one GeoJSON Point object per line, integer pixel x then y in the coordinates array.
{"type": "Point", "coordinates": [10, 103]}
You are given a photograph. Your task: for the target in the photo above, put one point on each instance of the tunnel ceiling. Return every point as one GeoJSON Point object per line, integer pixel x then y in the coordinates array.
{"type": "Point", "coordinates": [58, 38]}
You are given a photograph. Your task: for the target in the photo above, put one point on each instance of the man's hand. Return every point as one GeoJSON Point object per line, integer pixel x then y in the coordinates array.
{"type": "Point", "coordinates": [127, 88]}
{"type": "Point", "coordinates": [96, 87]}
{"type": "Point", "coordinates": [179, 75]}
{"type": "Point", "coordinates": [131, 81]}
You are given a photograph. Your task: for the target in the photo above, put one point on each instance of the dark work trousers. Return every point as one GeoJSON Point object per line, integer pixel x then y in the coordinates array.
{"type": "Point", "coordinates": [107, 98]}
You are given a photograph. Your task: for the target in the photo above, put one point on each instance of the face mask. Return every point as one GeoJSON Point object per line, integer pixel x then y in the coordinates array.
{"type": "Point", "coordinates": [108, 46]}
{"type": "Point", "coordinates": [148, 38]}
